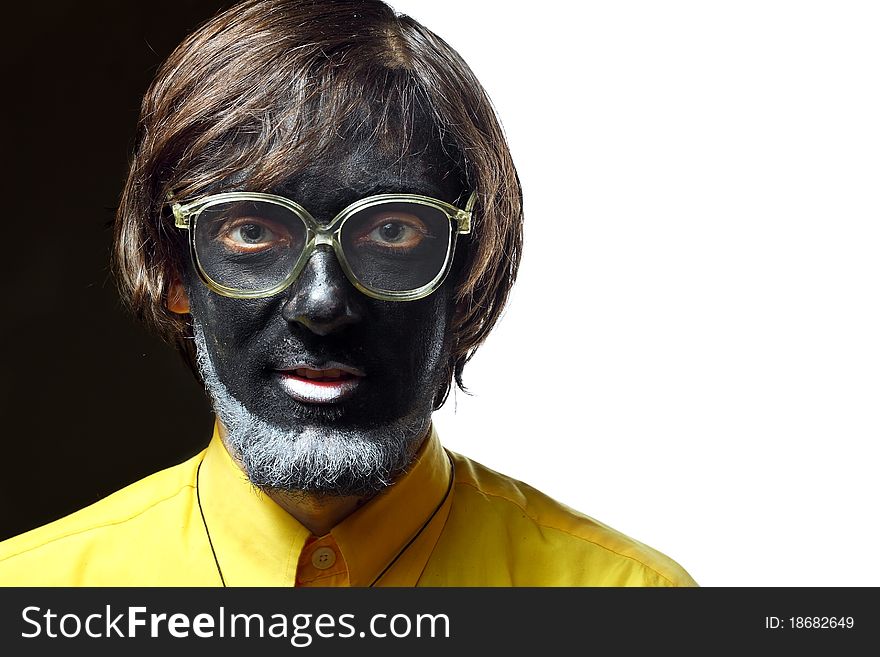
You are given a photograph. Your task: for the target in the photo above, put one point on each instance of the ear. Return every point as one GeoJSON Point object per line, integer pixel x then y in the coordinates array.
{"type": "Point", "coordinates": [177, 300]}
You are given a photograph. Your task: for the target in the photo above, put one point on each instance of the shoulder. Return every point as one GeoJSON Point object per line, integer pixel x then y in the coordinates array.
{"type": "Point", "coordinates": [60, 552]}
{"type": "Point", "coordinates": [548, 543]}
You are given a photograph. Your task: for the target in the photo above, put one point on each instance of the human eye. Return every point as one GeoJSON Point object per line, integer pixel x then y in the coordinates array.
{"type": "Point", "coordinates": [253, 235]}
{"type": "Point", "coordinates": [397, 232]}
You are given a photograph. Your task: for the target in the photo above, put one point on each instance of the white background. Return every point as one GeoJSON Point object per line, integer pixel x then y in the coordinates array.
{"type": "Point", "coordinates": [692, 352]}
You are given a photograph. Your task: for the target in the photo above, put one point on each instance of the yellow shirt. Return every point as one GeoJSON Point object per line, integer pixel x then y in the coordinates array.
{"type": "Point", "coordinates": [447, 522]}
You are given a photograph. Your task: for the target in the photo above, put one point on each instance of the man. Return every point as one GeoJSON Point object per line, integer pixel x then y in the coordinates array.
{"type": "Point", "coordinates": [323, 215]}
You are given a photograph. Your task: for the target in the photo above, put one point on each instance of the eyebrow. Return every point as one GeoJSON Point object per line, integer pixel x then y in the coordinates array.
{"type": "Point", "coordinates": [344, 196]}
{"type": "Point", "coordinates": [401, 187]}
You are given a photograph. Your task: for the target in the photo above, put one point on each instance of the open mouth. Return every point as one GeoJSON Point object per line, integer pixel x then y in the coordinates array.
{"type": "Point", "coordinates": [320, 385]}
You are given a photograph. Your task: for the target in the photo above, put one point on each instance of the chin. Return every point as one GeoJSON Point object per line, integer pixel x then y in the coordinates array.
{"type": "Point", "coordinates": [320, 454]}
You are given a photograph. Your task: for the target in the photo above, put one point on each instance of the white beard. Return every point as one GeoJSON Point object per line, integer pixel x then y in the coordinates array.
{"type": "Point", "coordinates": [340, 461]}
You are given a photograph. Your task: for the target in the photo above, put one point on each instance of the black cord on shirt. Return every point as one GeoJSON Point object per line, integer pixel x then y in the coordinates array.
{"type": "Point", "coordinates": [205, 523]}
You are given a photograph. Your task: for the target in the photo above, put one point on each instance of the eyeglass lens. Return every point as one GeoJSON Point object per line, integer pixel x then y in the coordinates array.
{"type": "Point", "coordinates": [396, 246]}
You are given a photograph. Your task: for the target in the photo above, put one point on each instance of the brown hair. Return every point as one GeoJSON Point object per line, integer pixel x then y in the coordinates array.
{"type": "Point", "coordinates": [263, 88]}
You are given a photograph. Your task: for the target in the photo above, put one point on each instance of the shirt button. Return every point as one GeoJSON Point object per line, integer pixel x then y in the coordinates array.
{"type": "Point", "coordinates": [323, 558]}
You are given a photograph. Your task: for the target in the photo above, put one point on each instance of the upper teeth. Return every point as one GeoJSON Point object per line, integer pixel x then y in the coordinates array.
{"type": "Point", "coordinates": [318, 374]}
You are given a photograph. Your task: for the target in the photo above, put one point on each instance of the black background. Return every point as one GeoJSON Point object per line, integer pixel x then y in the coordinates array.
{"type": "Point", "coordinates": [89, 401]}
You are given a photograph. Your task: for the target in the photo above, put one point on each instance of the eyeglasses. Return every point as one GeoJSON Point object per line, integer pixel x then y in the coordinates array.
{"type": "Point", "coordinates": [394, 247]}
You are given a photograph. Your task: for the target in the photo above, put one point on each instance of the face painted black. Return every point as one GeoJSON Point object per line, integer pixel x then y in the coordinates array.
{"type": "Point", "coordinates": [322, 321]}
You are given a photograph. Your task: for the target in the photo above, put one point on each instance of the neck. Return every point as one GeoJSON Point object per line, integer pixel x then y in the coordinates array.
{"type": "Point", "coordinates": [318, 512]}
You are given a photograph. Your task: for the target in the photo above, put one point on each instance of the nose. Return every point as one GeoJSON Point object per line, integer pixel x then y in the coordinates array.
{"type": "Point", "coordinates": [321, 298]}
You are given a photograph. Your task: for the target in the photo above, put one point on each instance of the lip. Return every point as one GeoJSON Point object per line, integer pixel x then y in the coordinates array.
{"type": "Point", "coordinates": [316, 388]}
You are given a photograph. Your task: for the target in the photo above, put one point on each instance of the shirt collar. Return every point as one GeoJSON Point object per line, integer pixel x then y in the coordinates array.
{"type": "Point", "coordinates": [387, 541]}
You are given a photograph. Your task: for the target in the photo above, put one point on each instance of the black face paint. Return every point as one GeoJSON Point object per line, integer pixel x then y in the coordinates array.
{"type": "Point", "coordinates": [322, 321]}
